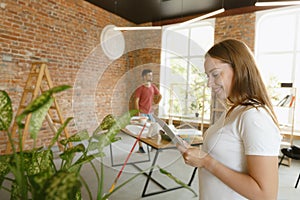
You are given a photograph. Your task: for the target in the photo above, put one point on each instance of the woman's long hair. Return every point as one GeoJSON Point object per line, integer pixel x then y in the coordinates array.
{"type": "Point", "coordinates": [248, 88]}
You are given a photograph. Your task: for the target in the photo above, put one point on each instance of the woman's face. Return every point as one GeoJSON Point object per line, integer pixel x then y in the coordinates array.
{"type": "Point", "coordinates": [220, 76]}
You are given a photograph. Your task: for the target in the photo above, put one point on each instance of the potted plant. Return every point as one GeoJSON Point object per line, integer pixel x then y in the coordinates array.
{"type": "Point", "coordinates": [196, 107]}
{"type": "Point", "coordinates": [33, 174]}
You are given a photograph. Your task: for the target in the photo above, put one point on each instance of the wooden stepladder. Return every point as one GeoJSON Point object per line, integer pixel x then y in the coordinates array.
{"type": "Point", "coordinates": [38, 81]}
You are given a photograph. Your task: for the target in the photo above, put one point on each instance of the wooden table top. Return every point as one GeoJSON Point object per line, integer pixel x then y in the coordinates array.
{"type": "Point", "coordinates": [162, 144]}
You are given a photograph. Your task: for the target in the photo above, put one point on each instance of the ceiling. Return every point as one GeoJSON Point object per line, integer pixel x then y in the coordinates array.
{"type": "Point", "coordinates": [142, 11]}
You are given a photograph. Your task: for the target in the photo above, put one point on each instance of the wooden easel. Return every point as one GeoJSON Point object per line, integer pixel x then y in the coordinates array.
{"type": "Point", "coordinates": [38, 81]}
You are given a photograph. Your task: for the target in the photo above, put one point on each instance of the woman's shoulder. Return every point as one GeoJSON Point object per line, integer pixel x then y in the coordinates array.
{"type": "Point", "coordinates": [259, 110]}
{"type": "Point", "coordinates": [250, 113]}
{"type": "Point", "coordinates": [257, 114]}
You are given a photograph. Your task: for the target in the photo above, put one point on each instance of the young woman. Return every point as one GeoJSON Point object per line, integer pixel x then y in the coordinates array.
{"type": "Point", "coordinates": [239, 156]}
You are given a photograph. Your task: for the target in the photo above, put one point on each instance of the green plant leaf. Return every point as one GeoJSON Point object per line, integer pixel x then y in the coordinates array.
{"type": "Point", "coordinates": [107, 122]}
{"type": "Point", "coordinates": [39, 168]}
{"type": "Point", "coordinates": [38, 161]}
{"type": "Point", "coordinates": [17, 169]}
{"type": "Point", "coordinates": [33, 106]}
{"type": "Point", "coordinates": [104, 139]}
{"type": "Point", "coordinates": [165, 172]}
{"type": "Point", "coordinates": [59, 89]}
{"type": "Point", "coordinates": [81, 162]}
{"type": "Point", "coordinates": [105, 196]}
{"type": "Point", "coordinates": [6, 112]}
{"type": "Point", "coordinates": [39, 102]}
{"type": "Point", "coordinates": [75, 149]}
{"type": "Point", "coordinates": [38, 183]}
{"type": "Point", "coordinates": [120, 123]}
{"type": "Point", "coordinates": [37, 118]}
{"type": "Point", "coordinates": [93, 146]}
{"type": "Point", "coordinates": [15, 191]}
{"type": "Point", "coordinates": [4, 167]}
{"type": "Point", "coordinates": [78, 137]}
{"type": "Point", "coordinates": [63, 186]}
{"type": "Point", "coordinates": [59, 131]}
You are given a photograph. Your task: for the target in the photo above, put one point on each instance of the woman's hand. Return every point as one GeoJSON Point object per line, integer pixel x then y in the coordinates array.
{"type": "Point", "coordinates": [193, 156]}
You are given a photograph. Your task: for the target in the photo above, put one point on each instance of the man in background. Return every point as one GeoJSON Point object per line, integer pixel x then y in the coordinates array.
{"type": "Point", "coordinates": [147, 98]}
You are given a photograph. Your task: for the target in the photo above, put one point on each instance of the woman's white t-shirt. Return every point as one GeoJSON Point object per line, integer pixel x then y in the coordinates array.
{"type": "Point", "coordinates": [250, 132]}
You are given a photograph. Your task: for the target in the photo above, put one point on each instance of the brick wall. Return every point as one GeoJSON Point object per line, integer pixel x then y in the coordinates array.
{"type": "Point", "coordinates": [66, 35]}
{"type": "Point", "coordinates": [240, 27]}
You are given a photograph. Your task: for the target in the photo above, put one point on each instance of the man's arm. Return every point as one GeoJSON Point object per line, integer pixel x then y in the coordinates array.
{"type": "Point", "coordinates": [157, 99]}
{"type": "Point", "coordinates": [157, 95]}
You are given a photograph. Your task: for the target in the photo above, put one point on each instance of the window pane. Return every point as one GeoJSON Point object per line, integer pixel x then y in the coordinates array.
{"type": "Point", "coordinates": [201, 40]}
{"type": "Point", "coordinates": [199, 94]}
{"type": "Point", "coordinates": [177, 42]}
{"type": "Point", "coordinates": [182, 69]}
{"type": "Point", "coordinates": [297, 85]}
{"type": "Point", "coordinates": [297, 35]}
{"type": "Point", "coordinates": [278, 46]}
{"type": "Point", "coordinates": [197, 69]}
{"type": "Point", "coordinates": [178, 85]}
{"type": "Point", "coordinates": [276, 65]}
{"type": "Point", "coordinates": [178, 69]}
{"type": "Point", "coordinates": [277, 33]}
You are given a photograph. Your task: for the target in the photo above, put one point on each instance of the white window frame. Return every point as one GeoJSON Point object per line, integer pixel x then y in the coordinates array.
{"type": "Point", "coordinates": [294, 53]}
{"type": "Point", "coordinates": [167, 55]}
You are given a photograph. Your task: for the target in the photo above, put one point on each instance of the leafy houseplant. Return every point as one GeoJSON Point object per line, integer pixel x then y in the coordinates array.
{"type": "Point", "coordinates": [33, 174]}
{"type": "Point", "coordinates": [196, 107]}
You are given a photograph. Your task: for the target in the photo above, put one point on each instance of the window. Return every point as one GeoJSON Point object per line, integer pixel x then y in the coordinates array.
{"type": "Point", "coordinates": [182, 78]}
{"type": "Point", "coordinates": [278, 49]}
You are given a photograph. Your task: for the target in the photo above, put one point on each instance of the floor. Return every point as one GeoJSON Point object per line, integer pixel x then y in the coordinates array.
{"type": "Point", "coordinates": [171, 161]}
